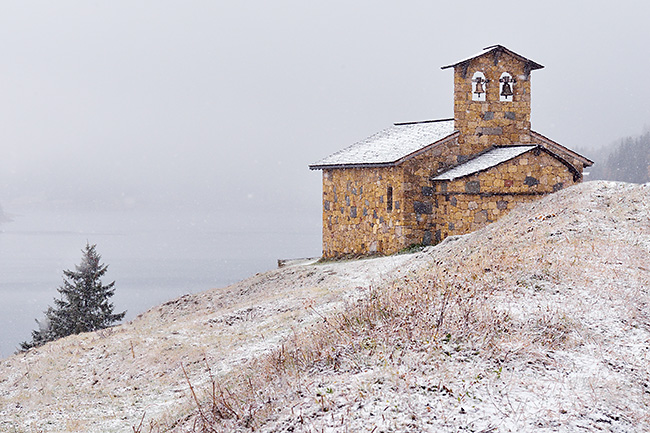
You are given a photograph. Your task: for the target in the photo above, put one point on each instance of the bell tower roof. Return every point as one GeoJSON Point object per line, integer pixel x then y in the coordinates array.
{"type": "Point", "coordinates": [496, 51]}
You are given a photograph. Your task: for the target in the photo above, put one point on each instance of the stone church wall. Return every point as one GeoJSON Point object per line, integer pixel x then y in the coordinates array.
{"type": "Point", "coordinates": [363, 211]}
{"type": "Point", "coordinates": [470, 203]}
{"type": "Point", "coordinates": [357, 219]}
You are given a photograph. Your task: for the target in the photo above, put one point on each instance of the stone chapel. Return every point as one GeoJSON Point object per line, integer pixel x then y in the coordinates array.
{"type": "Point", "coordinates": [416, 183]}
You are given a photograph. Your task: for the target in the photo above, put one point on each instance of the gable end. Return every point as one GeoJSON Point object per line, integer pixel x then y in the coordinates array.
{"type": "Point", "coordinates": [496, 51]}
{"type": "Point", "coordinates": [497, 156]}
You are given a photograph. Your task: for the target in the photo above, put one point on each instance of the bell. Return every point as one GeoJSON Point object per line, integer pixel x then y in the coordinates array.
{"type": "Point", "coordinates": [479, 87]}
{"type": "Point", "coordinates": [506, 90]}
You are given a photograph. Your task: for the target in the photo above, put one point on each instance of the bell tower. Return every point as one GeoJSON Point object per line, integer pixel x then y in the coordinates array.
{"type": "Point", "coordinates": [492, 99]}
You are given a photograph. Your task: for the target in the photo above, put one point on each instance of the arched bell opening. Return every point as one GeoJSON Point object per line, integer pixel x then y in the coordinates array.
{"type": "Point", "coordinates": [479, 86]}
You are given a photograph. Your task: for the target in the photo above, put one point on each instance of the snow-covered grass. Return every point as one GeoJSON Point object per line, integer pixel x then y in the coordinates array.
{"type": "Point", "coordinates": [106, 381]}
{"type": "Point", "coordinates": [538, 322]}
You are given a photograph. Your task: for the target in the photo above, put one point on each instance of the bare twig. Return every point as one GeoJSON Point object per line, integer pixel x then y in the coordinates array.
{"type": "Point", "coordinates": [138, 429]}
{"type": "Point", "coordinates": [196, 400]}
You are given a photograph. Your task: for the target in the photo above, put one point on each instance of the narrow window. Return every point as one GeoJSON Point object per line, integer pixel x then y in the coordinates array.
{"type": "Point", "coordinates": [389, 199]}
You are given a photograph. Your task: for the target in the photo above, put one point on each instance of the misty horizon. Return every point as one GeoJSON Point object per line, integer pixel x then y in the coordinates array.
{"type": "Point", "coordinates": [218, 105]}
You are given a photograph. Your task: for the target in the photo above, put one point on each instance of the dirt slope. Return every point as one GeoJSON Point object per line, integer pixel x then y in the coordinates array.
{"type": "Point", "coordinates": [538, 322]}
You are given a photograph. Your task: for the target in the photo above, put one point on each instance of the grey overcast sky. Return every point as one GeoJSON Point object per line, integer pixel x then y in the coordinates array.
{"type": "Point", "coordinates": [225, 103]}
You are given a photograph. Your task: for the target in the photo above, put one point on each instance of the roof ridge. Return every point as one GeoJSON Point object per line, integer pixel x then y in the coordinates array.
{"type": "Point", "coordinates": [532, 64]}
{"type": "Point", "coordinates": [422, 121]}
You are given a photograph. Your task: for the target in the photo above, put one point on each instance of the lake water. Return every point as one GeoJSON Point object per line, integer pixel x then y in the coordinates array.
{"type": "Point", "coordinates": [152, 256]}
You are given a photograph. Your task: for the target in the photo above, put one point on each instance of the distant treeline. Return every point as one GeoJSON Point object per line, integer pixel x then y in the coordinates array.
{"type": "Point", "coordinates": [629, 161]}
{"type": "Point", "coordinates": [3, 217]}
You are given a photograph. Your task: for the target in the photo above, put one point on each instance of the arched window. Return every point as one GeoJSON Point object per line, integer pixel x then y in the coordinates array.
{"type": "Point", "coordinates": [479, 85]}
{"type": "Point", "coordinates": [506, 87]}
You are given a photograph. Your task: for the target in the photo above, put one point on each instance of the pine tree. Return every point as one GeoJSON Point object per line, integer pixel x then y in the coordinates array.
{"type": "Point", "coordinates": [84, 304]}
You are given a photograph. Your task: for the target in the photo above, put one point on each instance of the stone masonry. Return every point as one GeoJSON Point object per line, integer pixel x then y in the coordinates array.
{"type": "Point", "coordinates": [469, 203]}
{"type": "Point", "coordinates": [483, 124]}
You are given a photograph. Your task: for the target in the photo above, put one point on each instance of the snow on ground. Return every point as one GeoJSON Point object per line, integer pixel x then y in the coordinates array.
{"type": "Point", "coordinates": [568, 275]}
{"type": "Point", "coordinates": [573, 272]}
{"type": "Point", "coordinates": [106, 381]}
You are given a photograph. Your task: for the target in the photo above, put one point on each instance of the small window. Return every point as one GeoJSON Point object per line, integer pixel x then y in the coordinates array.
{"type": "Point", "coordinates": [506, 87]}
{"type": "Point", "coordinates": [479, 85]}
{"type": "Point", "coordinates": [389, 199]}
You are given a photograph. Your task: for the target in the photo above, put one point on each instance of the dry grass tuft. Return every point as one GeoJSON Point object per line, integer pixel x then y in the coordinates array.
{"type": "Point", "coordinates": [430, 316]}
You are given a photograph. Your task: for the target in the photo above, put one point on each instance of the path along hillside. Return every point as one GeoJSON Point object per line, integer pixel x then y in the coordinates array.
{"type": "Point", "coordinates": [540, 322]}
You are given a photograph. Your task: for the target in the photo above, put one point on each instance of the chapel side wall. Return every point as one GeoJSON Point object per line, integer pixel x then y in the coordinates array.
{"type": "Point", "coordinates": [358, 219]}
{"type": "Point", "coordinates": [419, 214]}
{"type": "Point", "coordinates": [470, 203]}
{"type": "Point", "coordinates": [492, 122]}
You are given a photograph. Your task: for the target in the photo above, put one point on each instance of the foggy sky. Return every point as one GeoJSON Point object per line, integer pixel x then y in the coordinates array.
{"type": "Point", "coordinates": [213, 103]}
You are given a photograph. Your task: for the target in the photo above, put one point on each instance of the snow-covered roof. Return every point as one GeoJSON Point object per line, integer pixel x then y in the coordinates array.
{"type": "Point", "coordinates": [486, 50]}
{"type": "Point", "coordinates": [485, 161]}
{"type": "Point", "coordinates": [390, 145]}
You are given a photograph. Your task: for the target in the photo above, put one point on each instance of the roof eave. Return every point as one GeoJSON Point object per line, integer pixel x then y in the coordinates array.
{"type": "Point", "coordinates": [585, 161]}
{"type": "Point", "coordinates": [356, 165]}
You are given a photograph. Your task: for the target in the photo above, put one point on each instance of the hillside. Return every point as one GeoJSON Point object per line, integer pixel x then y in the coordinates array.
{"type": "Point", "coordinates": [538, 322]}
